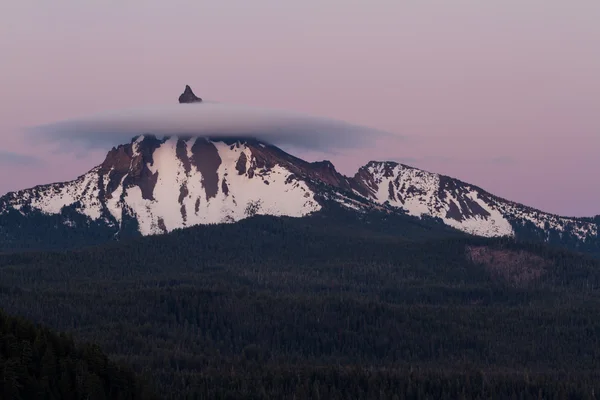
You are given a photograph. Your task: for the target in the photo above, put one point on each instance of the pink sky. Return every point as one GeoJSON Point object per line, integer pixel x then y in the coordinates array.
{"type": "Point", "coordinates": [504, 94]}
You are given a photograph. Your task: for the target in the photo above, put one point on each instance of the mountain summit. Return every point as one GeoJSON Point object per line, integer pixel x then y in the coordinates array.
{"type": "Point", "coordinates": [153, 186]}
{"type": "Point", "coordinates": [188, 96]}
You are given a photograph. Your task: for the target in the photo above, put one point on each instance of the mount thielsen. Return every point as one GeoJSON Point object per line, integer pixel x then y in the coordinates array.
{"type": "Point", "coordinates": [153, 186]}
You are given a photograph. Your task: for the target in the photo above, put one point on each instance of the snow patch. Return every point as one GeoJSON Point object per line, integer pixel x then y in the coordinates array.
{"type": "Point", "coordinates": [417, 192]}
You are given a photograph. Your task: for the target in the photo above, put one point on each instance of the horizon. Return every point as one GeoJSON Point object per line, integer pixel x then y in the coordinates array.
{"type": "Point", "coordinates": [512, 111]}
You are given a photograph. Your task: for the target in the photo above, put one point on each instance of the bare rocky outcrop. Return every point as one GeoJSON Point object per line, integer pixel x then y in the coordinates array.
{"type": "Point", "coordinates": [121, 164]}
{"type": "Point", "coordinates": [515, 267]}
{"type": "Point", "coordinates": [205, 158]}
{"type": "Point", "coordinates": [188, 96]}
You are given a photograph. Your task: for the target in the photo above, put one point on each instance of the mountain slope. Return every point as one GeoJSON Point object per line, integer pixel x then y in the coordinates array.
{"type": "Point", "coordinates": [153, 186]}
{"type": "Point", "coordinates": [164, 185]}
{"type": "Point", "coordinates": [203, 310]}
{"type": "Point", "coordinates": [459, 204]}
{"type": "Point", "coordinates": [38, 363]}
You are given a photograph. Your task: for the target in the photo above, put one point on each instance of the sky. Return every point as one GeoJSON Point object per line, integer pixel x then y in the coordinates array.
{"type": "Point", "coordinates": [504, 94]}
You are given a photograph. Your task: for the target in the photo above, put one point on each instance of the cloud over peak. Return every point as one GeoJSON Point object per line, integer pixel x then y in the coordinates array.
{"type": "Point", "coordinates": [212, 119]}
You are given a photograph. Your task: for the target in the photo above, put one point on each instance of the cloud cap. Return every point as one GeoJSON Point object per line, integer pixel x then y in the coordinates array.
{"type": "Point", "coordinates": [210, 119]}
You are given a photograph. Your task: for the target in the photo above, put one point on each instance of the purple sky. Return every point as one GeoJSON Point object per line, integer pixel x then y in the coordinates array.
{"type": "Point", "coordinates": [504, 94]}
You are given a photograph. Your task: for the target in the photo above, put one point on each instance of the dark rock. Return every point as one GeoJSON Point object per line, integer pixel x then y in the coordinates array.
{"type": "Point", "coordinates": [188, 96]}
{"type": "Point", "coordinates": [206, 159]}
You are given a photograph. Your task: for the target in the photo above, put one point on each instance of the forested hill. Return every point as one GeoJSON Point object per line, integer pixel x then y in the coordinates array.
{"type": "Point", "coordinates": [36, 363]}
{"type": "Point", "coordinates": [282, 308]}
{"type": "Point", "coordinates": [40, 232]}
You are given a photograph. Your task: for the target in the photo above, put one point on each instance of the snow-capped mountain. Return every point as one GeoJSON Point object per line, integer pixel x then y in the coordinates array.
{"type": "Point", "coordinates": [158, 185]}
{"type": "Point", "coordinates": [175, 183]}
{"type": "Point", "coordinates": [459, 204]}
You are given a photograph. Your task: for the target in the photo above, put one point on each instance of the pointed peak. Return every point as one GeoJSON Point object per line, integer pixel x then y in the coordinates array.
{"type": "Point", "coordinates": [188, 96]}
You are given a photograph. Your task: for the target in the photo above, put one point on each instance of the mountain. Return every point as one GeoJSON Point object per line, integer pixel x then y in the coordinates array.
{"type": "Point", "coordinates": [153, 186]}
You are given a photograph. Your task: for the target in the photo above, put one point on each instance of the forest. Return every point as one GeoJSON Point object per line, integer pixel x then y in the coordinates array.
{"type": "Point", "coordinates": [322, 309]}
{"type": "Point", "coordinates": [36, 363]}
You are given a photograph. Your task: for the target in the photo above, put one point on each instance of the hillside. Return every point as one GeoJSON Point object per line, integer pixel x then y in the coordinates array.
{"type": "Point", "coordinates": [300, 307]}
{"type": "Point", "coordinates": [38, 363]}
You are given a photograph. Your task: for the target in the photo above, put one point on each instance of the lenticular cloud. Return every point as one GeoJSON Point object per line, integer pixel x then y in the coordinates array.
{"type": "Point", "coordinates": [209, 119]}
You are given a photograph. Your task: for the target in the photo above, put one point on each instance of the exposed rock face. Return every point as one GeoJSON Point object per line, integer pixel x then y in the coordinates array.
{"type": "Point", "coordinates": [516, 267]}
{"type": "Point", "coordinates": [206, 159]}
{"type": "Point", "coordinates": [188, 96]}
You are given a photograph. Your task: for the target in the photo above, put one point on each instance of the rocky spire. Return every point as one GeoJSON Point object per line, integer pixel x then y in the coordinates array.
{"type": "Point", "coordinates": [188, 96]}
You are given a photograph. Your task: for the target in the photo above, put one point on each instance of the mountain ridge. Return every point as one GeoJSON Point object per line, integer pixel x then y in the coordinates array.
{"type": "Point", "coordinates": [154, 186]}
